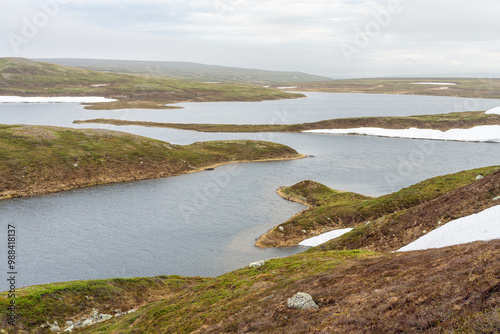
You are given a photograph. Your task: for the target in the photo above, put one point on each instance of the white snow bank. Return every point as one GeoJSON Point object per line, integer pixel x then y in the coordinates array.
{"type": "Point", "coordinates": [59, 99]}
{"type": "Point", "coordinates": [291, 87]}
{"type": "Point", "coordinates": [484, 225]}
{"type": "Point", "coordinates": [484, 133]}
{"type": "Point", "coordinates": [434, 83]}
{"type": "Point", "coordinates": [494, 111]}
{"type": "Point", "coordinates": [322, 238]}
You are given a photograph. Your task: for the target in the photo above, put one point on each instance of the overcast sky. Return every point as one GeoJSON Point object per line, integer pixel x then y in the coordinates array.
{"type": "Point", "coordinates": [338, 38]}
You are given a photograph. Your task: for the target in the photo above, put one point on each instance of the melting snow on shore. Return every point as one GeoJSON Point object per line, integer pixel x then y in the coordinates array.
{"type": "Point", "coordinates": [494, 111]}
{"type": "Point", "coordinates": [434, 83]}
{"type": "Point", "coordinates": [59, 99]}
{"type": "Point", "coordinates": [322, 238]}
{"type": "Point", "coordinates": [482, 226]}
{"type": "Point", "coordinates": [484, 133]}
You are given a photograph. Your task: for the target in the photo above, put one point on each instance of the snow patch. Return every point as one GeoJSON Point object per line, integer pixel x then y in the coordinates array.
{"type": "Point", "coordinates": [481, 226]}
{"type": "Point", "coordinates": [434, 83]}
{"type": "Point", "coordinates": [59, 99]}
{"type": "Point", "coordinates": [292, 87]}
{"type": "Point", "coordinates": [322, 238]}
{"type": "Point", "coordinates": [483, 133]}
{"type": "Point", "coordinates": [494, 111]}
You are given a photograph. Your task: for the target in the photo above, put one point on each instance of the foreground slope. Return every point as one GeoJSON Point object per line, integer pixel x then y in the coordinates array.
{"type": "Point", "coordinates": [449, 290]}
{"type": "Point", "coordinates": [43, 159]}
{"type": "Point", "coordinates": [23, 77]}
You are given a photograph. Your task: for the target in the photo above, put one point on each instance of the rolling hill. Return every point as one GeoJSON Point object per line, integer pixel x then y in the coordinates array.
{"type": "Point", "coordinates": [24, 77]}
{"type": "Point", "coordinates": [189, 71]}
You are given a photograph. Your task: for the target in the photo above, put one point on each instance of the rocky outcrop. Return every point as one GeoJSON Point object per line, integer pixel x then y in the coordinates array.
{"type": "Point", "coordinates": [301, 301]}
{"type": "Point", "coordinates": [256, 264]}
{"type": "Point", "coordinates": [94, 318]}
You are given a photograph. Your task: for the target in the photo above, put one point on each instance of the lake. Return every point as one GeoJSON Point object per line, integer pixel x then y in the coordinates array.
{"type": "Point", "coordinates": [205, 224]}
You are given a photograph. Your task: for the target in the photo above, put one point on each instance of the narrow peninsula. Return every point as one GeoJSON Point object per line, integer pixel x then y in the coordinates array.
{"type": "Point", "coordinates": [385, 223]}
{"type": "Point", "coordinates": [442, 122]}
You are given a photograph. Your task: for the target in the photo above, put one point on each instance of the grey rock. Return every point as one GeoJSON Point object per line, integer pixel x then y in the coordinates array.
{"type": "Point", "coordinates": [479, 177]}
{"type": "Point", "coordinates": [104, 317]}
{"type": "Point", "coordinates": [257, 264]}
{"type": "Point", "coordinates": [55, 328]}
{"type": "Point", "coordinates": [69, 329]}
{"type": "Point", "coordinates": [87, 322]}
{"type": "Point", "coordinates": [496, 198]}
{"type": "Point", "coordinates": [301, 301]}
{"type": "Point", "coordinates": [281, 228]}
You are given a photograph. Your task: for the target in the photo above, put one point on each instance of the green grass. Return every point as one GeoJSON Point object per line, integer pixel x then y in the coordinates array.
{"type": "Point", "coordinates": [219, 299]}
{"type": "Point", "coordinates": [23, 77]}
{"type": "Point", "coordinates": [460, 120]}
{"type": "Point", "coordinates": [61, 301]}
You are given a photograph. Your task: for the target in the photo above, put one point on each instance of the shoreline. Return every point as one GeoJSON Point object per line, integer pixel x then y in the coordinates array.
{"type": "Point", "coordinates": [261, 241]}
{"type": "Point", "coordinates": [374, 218]}
{"type": "Point", "coordinates": [54, 190]}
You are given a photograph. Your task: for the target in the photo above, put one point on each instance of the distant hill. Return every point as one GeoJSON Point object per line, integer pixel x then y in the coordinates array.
{"type": "Point", "coordinates": [189, 71]}
{"type": "Point", "coordinates": [24, 77]}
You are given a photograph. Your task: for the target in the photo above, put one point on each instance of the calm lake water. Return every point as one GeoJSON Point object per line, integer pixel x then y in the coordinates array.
{"type": "Point", "coordinates": [206, 223]}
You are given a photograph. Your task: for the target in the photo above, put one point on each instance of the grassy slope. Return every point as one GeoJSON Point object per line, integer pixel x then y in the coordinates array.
{"type": "Point", "coordinates": [23, 77]}
{"type": "Point", "coordinates": [465, 87]}
{"type": "Point", "coordinates": [450, 290]}
{"type": "Point", "coordinates": [62, 301]}
{"type": "Point", "coordinates": [395, 219]}
{"type": "Point", "coordinates": [43, 159]}
{"type": "Point", "coordinates": [443, 122]}
{"type": "Point", "coordinates": [395, 230]}
{"type": "Point", "coordinates": [189, 71]}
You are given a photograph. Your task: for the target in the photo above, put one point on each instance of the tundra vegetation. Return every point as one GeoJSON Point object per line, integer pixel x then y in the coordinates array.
{"type": "Point", "coordinates": [443, 122]}
{"type": "Point", "coordinates": [23, 77]}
